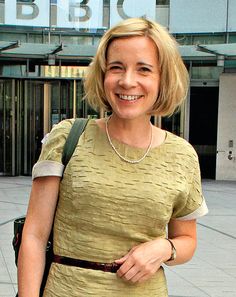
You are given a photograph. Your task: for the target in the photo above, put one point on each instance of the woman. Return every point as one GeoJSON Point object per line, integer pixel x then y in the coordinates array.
{"type": "Point", "coordinates": [126, 182]}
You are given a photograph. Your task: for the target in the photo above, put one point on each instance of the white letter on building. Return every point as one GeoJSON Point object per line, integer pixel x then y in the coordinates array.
{"type": "Point", "coordinates": [27, 14]}
{"type": "Point", "coordinates": [79, 14]}
{"type": "Point", "coordinates": [123, 9]}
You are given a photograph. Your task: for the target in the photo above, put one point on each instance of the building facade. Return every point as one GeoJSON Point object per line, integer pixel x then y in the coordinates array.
{"type": "Point", "coordinates": [46, 46]}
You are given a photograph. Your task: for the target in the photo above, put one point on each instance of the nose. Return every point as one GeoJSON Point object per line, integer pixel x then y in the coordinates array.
{"type": "Point", "coordinates": [128, 79]}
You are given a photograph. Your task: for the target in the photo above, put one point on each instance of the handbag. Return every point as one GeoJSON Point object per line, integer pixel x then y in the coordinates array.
{"type": "Point", "coordinates": [68, 149]}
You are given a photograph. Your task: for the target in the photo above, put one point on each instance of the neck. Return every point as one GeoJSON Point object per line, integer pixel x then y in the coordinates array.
{"type": "Point", "coordinates": [132, 132]}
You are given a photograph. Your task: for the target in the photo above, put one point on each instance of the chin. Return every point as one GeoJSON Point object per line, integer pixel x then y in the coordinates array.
{"type": "Point", "coordinates": [128, 116]}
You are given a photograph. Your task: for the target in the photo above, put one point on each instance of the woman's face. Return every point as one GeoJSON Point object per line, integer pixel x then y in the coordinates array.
{"type": "Point", "coordinates": [132, 76]}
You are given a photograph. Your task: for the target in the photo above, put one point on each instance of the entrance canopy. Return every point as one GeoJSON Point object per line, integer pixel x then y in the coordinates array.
{"type": "Point", "coordinates": [228, 50]}
{"type": "Point", "coordinates": [190, 52]}
{"type": "Point", "coordinates": [44, 51]}
{"type": "Point", "coordinates": [18, 50]}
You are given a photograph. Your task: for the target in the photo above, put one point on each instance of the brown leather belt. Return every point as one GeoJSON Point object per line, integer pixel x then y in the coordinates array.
{"type": "Point", "coordinates": [107, 267]}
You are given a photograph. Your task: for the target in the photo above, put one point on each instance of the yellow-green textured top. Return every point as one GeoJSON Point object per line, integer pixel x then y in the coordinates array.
{"type": "Point", "coordinates": [107, 206]}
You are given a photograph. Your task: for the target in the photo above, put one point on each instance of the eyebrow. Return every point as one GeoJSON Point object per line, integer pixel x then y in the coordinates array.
{"type": "Point", "coordinates": [146, 64]}
{"type": "Point", "coordinates": [114, 62]}
{"type": "Point", "coordinates": [139, 63]}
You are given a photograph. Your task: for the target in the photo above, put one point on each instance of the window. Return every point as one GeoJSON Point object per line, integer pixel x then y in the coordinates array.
{"type": "Point", "coordinates": [8, 36]}
{"type": "Point", "coordinates": [35, 38]}
{"type": "Point", "coordinates": [206, 72]}
{"type": "Point", "coordinates": [232, 38]}
{"type": "Point", "coordinates": [77, 39]}
{"type": "Point", "coordinates": [188, 39]}
{"type": "Point", "coordinates": [162, 2]}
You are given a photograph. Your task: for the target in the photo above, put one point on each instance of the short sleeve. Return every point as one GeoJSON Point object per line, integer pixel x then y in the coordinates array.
{"type": "Point", "coordinates": [191, 205]}
{"type": "Point", "coordinates": [49, 162]}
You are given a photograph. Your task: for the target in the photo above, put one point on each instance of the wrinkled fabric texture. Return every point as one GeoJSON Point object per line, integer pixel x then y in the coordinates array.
{"type": "Point", "coordinates": [107, 206]}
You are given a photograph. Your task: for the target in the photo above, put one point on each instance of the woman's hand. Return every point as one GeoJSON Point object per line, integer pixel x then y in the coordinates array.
{"type": "Point", "coordinates": [143, 261]}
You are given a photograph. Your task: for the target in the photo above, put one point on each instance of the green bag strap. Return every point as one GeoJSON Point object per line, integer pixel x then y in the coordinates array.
{"type": "Point", "coordinates": [72, 139]}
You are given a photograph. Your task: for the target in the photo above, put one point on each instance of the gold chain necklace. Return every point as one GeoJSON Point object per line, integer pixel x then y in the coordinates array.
{"type": "Point", "coordinates": [123, 158]}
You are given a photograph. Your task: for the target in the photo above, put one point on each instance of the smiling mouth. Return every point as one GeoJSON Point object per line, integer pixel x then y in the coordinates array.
{"type": "Point", "coordinates": [129, 97]}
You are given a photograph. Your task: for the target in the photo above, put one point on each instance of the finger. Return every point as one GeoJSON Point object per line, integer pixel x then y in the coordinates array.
{"type": "Point", "coordinates": [122, 260]}
{"type": "Point", "coordinates": [125, 267]}
{"type": "Point", "coordinates": [136, 278]}
{"type": "Point", "coordinates": [130, 274]}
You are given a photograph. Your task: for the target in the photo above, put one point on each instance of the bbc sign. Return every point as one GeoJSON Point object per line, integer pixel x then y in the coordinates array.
{"type": "Point", "coordinates": [73, 13]}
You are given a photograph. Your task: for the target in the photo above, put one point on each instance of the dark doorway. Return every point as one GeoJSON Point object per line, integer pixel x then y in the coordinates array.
{"type": "Point", "coordinates": [203, 127]}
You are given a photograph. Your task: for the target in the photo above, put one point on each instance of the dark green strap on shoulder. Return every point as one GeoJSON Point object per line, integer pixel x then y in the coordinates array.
{"type": "Point", "coordinates": [72, 139]}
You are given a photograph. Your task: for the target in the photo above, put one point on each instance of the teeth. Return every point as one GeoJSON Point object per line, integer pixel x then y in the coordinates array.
{"type": "Point", "coordinates": [129, 97]}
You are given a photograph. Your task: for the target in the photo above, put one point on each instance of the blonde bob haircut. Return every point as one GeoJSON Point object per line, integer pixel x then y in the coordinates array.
{"type": "Point", "coordinates": [174, 78]}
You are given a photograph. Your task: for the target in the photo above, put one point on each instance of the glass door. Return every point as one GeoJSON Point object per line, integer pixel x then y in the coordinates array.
{"type": "Point", "coordinates": [28, 110]}
{"type": "Point", "coordinates": [65, 101]}
{"type": "Point", "coordinates": [172, 123]}
{"type": "Point", "coordinates": [7, 127]}
{"type": "Point", "coordinates": [61, 102]}
{"type": "Point", "coordinates": [33, 123]}
{"type": "Point", "coordinates": [83, 110]}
